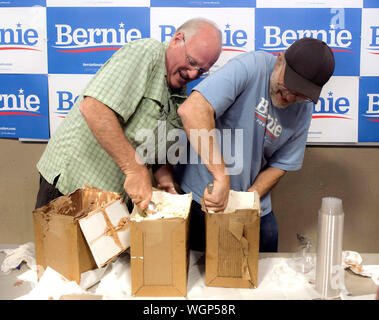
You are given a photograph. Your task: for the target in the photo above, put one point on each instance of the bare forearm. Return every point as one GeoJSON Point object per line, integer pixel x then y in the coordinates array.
{"type": "Point", "coordinates": [197, 116]}
{"type": "Point", "coordinates": [105, 127]}
{"type": "Point", "coordinates": [198, 120]}
{"type": "Point", "coordinates": [266, 180]}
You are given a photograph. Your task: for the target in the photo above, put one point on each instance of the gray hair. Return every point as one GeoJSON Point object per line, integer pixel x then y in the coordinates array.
{"type": "Point", "coordinates": [190, 27]}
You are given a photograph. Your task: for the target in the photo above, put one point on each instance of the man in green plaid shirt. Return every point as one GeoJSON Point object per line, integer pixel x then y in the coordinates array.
{"type": "Point", "coordinates": [141, 84]}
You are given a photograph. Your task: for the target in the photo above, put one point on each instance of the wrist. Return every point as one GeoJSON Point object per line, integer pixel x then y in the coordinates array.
{"type": "Point", "coordinates": [223, 181]}
{"type": "Point", "coordinates": [132, 167]}
{"type": "Point", "coordinates": [252, 189]}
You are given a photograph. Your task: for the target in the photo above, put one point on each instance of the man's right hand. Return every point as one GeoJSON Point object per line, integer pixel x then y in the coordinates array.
{"type": "Point", "coordinates": [217, 200]}
{"type": "Point", "coordinates": [138, 186]}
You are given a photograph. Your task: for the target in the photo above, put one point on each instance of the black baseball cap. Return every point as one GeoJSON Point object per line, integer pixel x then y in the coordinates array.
{"type": "Point", "coordinates": [309, 65]}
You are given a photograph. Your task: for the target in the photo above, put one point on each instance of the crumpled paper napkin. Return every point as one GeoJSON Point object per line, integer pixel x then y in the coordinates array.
{"type": "Point", "coordinates": [352, 260]}
{"type": "Point", "coordinates": [52, 286]}
{"type": "Point", "coordinates": [14, 257]}
{"type": "Point", "coordinates": [26, 253]}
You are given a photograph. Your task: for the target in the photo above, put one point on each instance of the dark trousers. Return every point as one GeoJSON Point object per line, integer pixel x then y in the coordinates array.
{"type": "Point", "coordinates": [268, 238]}
{"type": "Point", "coordinates": [47, 192]}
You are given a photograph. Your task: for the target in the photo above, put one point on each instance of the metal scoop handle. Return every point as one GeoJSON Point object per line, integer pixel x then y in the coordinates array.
{"type": "Point", "coordinates": [210, 186]}
{"type": "Point", "coordinates": [152, 208]}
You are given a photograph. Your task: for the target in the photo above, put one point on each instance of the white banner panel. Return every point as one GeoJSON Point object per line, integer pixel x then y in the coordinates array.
{"type": "Point", "coordinates": [94, 3]}
{"type": "Point", "coordinates": [235, 24]}
{"type": "Point", "coordinates": [23, 43]}
{"type": "Point", "coordinates": [335, 116]}
{"type": "Point", "coordinates": [309, 3]}
{"type": "Point", "coordinates": [370, 42]}
{"type": "Point", "coordinates": [64, 89]}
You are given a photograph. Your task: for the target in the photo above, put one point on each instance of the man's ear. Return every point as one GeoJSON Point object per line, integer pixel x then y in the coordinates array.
{"type": "Point", "coordinates": [178, 37]}
{"type": "Point", "coordinates": [177, 40]}
{"type": "Point", "coordinates": [279, 60]}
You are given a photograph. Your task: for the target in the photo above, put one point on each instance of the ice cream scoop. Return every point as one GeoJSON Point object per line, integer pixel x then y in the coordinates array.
{"type": "Point", "coordinates": [152, 208]}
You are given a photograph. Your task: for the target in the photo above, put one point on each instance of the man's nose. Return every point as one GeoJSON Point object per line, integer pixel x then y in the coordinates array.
{"type": "Point", "coordinates": [193, 74]}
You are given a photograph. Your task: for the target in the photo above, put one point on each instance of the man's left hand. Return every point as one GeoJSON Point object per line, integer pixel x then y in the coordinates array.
{"type": "Point", "coordinates": [165, 179]}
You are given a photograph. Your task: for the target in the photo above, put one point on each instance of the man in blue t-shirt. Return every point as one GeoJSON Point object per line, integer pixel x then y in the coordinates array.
{"type": "Point", "coordinates": [259, 107]}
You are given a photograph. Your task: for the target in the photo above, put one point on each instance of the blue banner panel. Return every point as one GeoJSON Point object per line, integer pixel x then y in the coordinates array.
{"type": "Point", "coordinates": [370, 4]}
{"type": "Point", "coordinates": [81, 40]}
{"type": "Point", "coordinates": [203, 3]}
{"type": "Point", "coordinates": [24, 111]}
{"type": "Point", "coordinates": [22, 3]}
{"type": "Point", "coordinates": [368, 123]}
{"type": "Point", "coordinates": [277, 29]}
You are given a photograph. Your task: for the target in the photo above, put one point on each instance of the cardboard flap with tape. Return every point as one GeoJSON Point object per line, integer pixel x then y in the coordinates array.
{"type": "Point", "coordinates": [232, 242]}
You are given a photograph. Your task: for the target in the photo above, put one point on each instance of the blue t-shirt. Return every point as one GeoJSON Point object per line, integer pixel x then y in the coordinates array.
{"type": "Point", "coordinates": [253, 134]}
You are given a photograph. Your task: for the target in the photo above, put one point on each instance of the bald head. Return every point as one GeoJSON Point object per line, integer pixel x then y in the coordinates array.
{"type": "Point", "coordinates": [191, 27]}
{"type": "Point", "coordinates": [194, 48]}
{"type": "Point", "coordinates": [205, 28]}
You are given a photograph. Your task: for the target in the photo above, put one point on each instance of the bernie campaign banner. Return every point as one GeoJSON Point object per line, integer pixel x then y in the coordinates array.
{"type": "Point", "coordinates": [369, 109]}
{"type": "Point", "coordinates": [83, 45]}
{"type": "Point", "coordinates": [23, 40]}
{"type": "Point", "coordinates": [64, 90]}
{"type": "Point", "coordinates": [24, 109]}
{"type": "Point", "coordinates": [67, 41]}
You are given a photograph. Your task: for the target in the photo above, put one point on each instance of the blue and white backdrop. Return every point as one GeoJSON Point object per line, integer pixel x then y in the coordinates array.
{"type": "Point", "coordinates": [49, 49]}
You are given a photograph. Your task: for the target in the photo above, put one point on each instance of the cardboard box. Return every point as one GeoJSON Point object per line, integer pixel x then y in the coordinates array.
{"type": "Point", "coordinates": [232, 243]}
{"type": "Point", "coordinates": [159, 249]}
{"type": "Point", "coordinates": [59, 240]}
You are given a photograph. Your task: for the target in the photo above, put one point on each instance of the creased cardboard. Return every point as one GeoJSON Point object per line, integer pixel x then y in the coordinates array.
{"type": "Point", "coordinates": [106, 230]}
{"type": "Point", "coordinates": [59, 240]}
{"type": "Point", "coordinates": [159, 252]}
{"type": "Point", "coordinates": [232, 242]}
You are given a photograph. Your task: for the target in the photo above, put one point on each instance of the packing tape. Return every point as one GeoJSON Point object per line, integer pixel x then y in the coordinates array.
{"type": "Point", "coordinates": [237, 229]}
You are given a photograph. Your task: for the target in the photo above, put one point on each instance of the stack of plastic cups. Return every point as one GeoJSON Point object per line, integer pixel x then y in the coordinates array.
{"type": "Point", "coordinates": [329, 271]}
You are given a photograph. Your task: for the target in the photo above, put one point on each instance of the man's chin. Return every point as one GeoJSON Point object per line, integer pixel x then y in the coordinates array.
{"type": "Point", "coordinates": [176, 83]}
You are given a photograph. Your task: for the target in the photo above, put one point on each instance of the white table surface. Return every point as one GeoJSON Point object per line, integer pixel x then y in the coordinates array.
{"type": "Point", "coordinates": [12, 288]}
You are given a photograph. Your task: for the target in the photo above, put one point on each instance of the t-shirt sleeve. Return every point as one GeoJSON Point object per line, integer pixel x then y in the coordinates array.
{"type": "Point", "coordinates": [290, 156]}
{"type": "Point", "coordinates": [222, 87]}
{"type": "Point", "coordinates": [121, 81]}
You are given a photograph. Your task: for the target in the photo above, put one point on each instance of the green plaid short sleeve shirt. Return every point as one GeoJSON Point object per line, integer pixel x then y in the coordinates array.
{"type": "Point", "coordinates": [133, 84]}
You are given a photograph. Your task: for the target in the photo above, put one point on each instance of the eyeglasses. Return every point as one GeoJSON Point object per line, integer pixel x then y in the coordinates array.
{"type": "Point", "coordinates": [191, 62]}
{"type": "Point", "coordinates": [298, 96]}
